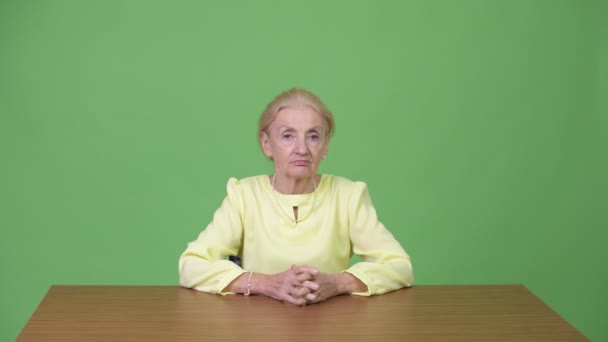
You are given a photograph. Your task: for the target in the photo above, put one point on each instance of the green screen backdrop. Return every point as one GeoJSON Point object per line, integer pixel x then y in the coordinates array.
{"type": "Point", "coordinates": [479, 126]}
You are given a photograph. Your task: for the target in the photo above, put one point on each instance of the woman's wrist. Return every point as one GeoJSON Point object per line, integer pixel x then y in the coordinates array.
{"type": "Point", "coordinates": [248, 283]}
{"type": "Point", "coordinates": [347, 283]}
{"type": "Point", "coordinates": [260, 284]}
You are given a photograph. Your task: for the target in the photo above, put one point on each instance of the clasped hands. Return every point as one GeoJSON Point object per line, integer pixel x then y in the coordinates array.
{"type": "Point", "coordinates": [302, 285]}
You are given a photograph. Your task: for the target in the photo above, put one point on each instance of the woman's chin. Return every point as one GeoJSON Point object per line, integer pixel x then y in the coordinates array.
{"type": "Point", "coordinates": [301, 173]}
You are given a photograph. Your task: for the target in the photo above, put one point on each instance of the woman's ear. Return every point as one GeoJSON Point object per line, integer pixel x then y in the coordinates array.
{"type": "Point", "coordinates": [265, 143]}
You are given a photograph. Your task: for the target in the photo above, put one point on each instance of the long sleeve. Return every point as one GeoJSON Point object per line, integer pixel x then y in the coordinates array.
{"type": "Point", "coordinates": [203, 265]}
{"type": "Point", "coordinates": [385, 265]}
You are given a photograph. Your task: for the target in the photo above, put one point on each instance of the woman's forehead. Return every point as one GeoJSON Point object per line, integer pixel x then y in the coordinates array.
{"type": "Point", "coordinates": [298, 117]}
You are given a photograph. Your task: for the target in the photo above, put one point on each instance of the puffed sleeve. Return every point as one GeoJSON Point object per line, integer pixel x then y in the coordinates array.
{"type": "Point", "coordinates": [203, 266]}
{"type": "Point", "coordinates": [385, 265]}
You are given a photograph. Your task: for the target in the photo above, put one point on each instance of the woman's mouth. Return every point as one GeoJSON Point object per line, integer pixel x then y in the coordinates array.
{"type": "Point", "coordinates": [300, 162]}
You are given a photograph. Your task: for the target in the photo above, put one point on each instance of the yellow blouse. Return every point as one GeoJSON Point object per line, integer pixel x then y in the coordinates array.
{"type": "Point", "coordinates": [257, 223]}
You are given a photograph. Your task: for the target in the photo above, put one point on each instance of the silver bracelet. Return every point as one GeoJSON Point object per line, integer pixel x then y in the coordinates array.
{"type": "Point", "coordinates": [249, 284]}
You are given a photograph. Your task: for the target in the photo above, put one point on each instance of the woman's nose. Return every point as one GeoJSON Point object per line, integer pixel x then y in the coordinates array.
{"type": "Point", "coordinates": [301, 146]}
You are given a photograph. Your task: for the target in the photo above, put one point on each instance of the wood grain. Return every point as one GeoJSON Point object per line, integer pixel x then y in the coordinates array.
{"type": "Point", "coordinates": [420, 313]}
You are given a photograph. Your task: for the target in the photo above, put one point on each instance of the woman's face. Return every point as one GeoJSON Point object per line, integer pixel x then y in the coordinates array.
{"type": "Point", "coordinates": [297, 141]}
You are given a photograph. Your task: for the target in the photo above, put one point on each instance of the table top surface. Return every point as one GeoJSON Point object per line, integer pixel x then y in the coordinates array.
{"type": "Point", "coordinates": [171, 313]}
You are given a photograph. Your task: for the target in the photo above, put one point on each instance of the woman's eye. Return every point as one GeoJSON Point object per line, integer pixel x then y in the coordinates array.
{"type": "Point", "coordinates": [314, 137]}
{"type": "Point", "coordinates": [287, 136]}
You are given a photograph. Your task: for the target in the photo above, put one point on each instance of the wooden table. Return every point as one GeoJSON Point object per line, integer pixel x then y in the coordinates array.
{"type": "Point", "coordinates": [170, 313]}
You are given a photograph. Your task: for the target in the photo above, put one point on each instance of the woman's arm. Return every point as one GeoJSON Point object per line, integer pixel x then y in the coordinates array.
{"type": "Point", "coordinates": [203, 265]}
{"type": "Point", "coordinates": [385, 265]}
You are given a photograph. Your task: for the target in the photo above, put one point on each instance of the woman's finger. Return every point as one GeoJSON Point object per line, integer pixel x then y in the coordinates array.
{"type": "Point", "coordinates": [304, 269]}
{"type": "Point", "coordinates": [294, 300]}
{"type": "Point", "coordinates": [300, 291]}
{"type": "Point", "coordinates": [312, 297]}
{"type": "Point", "coordinates": [302, 277]}
{"type": "Point", "coordinates": [311, 285]}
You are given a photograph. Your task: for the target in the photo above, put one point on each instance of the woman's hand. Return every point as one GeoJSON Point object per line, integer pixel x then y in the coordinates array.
{"type": "Point", "coordinates": [303, 285]}
{"type": "Point", "coordinates": [294, 285]}
{"type": "Point", "coordinates": [330, 285]}
{"type": "Point", "coordinates": [327, 287]}
{"type": "Point", "coordinates": [299, 285]}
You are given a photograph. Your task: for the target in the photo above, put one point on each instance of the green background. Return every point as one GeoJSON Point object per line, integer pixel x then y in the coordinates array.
{"type": "Point", "coordinates": [479, 126]}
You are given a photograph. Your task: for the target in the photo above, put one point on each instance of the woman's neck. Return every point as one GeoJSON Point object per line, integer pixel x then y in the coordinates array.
{"type": "Point", "coordinates": [292, 186]}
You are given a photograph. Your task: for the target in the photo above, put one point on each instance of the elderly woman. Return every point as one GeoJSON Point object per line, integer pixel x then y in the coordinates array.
{"type": "Point", "coordinates": [295, 230]}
